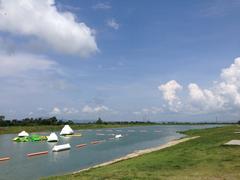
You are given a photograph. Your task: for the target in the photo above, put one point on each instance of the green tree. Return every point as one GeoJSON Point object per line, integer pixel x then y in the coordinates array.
{"type": "Point", "coordinates": [2, 118]}
{"type": "Point", "coordinates": [99, 121]}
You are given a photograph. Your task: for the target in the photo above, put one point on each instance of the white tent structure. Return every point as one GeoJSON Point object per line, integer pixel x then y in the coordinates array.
{"type": "Point", "coordinates": [118, 136]}
{"type": "Point", "coordinates": [52, 138]}
{"type": "Point", "coordinates": [66, 130]}
{"type": "Point", "coordinates": [23, 134]}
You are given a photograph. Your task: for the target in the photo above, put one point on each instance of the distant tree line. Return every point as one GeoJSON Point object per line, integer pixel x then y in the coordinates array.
{"type": "Point", "coordinates": [33, 121]}
{"type": "Point", "coordinates": [100, 121]}
{"type": "Point", "coordinates": [54, 121]}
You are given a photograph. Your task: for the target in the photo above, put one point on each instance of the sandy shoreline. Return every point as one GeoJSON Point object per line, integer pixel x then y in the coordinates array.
{"type": "Point", "coordinates": [140, 152]}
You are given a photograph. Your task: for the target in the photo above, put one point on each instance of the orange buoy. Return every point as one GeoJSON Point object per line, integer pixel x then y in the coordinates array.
{"type": "Point", "coordinates": [5, 159]}
{"type": "Point", "coordinates": [96, 142]}
{"type": "Point", "coordinates": [81, 145]}
{"type": "Point", "coordinates": [37, 153]}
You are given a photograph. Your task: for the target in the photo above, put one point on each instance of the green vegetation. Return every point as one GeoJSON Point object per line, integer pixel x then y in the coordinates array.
{"type": "Point", "coordinates": [201, 158]}
{"type": "Point", "coordinates": [53, 124]}
{"type": "Point", "coordinates": [52, 128]}
{"type": "Point", "coordinates": [33, 121]}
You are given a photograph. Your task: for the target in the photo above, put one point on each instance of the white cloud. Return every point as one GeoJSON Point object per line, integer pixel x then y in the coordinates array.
{"type": "Point", "coordinates": [30, 114]}
{"type": "Point", "coordinates": [89, 109]}
{"type": "Point", "coordinates": [137, 112]}
{"type": "Point", "coordinates": [63, 111]}
{"type": "Point", "coordinates": [56, 111]}
{"type": "Point", "coordinates": [102, 5]}
{"type": "Point", "coordinates": [222, 96]}
{"type": "Point", "coordinates": [67, 110]}
{"type": "Point", "coordinates": [16, 64]}
{"type": "Point", "coordinates": [113, 24]}
{"type": "Point", "coordinates": [101, 108]}
{"type": "Point", "coordinates": [169, 91]}
{"type": "Point", "coordinates": [151, 110]}
{"type": "Point", "coordinates": [42, 20]}
{"type": "Point", "coordinates": [232, 74]}
{"type": "Point", "coordinates": [40, 109]}
{"type": "Point", "coordinates": [204, 100]}
{"type": "Point", "coordinates": [230, 86]}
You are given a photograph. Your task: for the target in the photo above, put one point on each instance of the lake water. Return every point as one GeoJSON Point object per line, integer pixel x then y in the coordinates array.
{"type": "Point", "coordinates": [56, 163]}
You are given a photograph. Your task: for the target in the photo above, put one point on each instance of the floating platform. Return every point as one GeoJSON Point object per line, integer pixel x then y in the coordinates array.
{"type": "Point", "coordinates": [32, 138]}
{"type": "Point", "coordinates": [96, 142]}
{"type": "Point", "coordinates": [81, 145]}
{"type": "Point", "coordinates": [5, 159]}
{"type": "Point", "coordinates": [62, 147]}
{"type": "Point", "coordinates": [73, 135]}
{"type": "Point", "coordinates": [37, 153]}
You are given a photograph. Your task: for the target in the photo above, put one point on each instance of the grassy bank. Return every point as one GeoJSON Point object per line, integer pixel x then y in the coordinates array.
{"type": "Point", "coordinates": [201, 158]}
{"type": "Point", "coordinates": [49, 128]}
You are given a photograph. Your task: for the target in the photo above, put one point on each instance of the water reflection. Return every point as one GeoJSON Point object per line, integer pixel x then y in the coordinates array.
{"type": "Point", "coordinates": [61, 155]}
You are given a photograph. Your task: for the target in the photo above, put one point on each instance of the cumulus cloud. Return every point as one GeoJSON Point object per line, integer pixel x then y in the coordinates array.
{"type": "Point", "coordinates": [55, 111]}
{"type": "Point", "coordinates": [222, 96]}
{"type": "Point", "coordinates": [40, 109]}
{"type": "Point", "coordinates": [112, 23]}
{"type": "Point", "coordinates": [204, 100]}
{"type": "Point", "coordinates": [67, 110]}
{"type": "Point", "coordinates": [169, 91]}
{"type": "Point", "coordinates": [16, 64]}
{"type": "Point", "coordinates": [151, 110]}
{"type": "Point", "coordinates": [229, 87]}
{"type": "Point", "coordinates": [97, 109]}
{"type": "Point", "coordinates": [42, 20]}
{"type": "Point", "coordinates": [63, 111]}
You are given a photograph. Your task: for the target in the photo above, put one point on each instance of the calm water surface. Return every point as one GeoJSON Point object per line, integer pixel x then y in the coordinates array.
{"type": "Point", "coordinates": [134, 138]}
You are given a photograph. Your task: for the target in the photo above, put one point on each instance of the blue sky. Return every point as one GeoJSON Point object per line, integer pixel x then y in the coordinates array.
{"type": "Point", "coordinates": [121, 68]}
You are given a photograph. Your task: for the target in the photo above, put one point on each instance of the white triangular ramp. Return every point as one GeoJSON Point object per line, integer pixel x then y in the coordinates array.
{"type": "Point", "coordinates": [52, 138]}
{"type": "Point", "coordinates": [66, 130]}
{"type": "Point", "coordinates": [23, 134]}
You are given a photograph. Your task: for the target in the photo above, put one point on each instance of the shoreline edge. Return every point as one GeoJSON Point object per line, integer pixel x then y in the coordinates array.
{"type": "Point", "coordinates": [139, 153]}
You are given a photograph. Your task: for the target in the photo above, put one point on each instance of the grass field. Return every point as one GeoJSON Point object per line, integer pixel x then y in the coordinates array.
{"type": "Point", "coordinates": [49, 128]}
{"type": "Point", "coordinates": [201, 158]}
